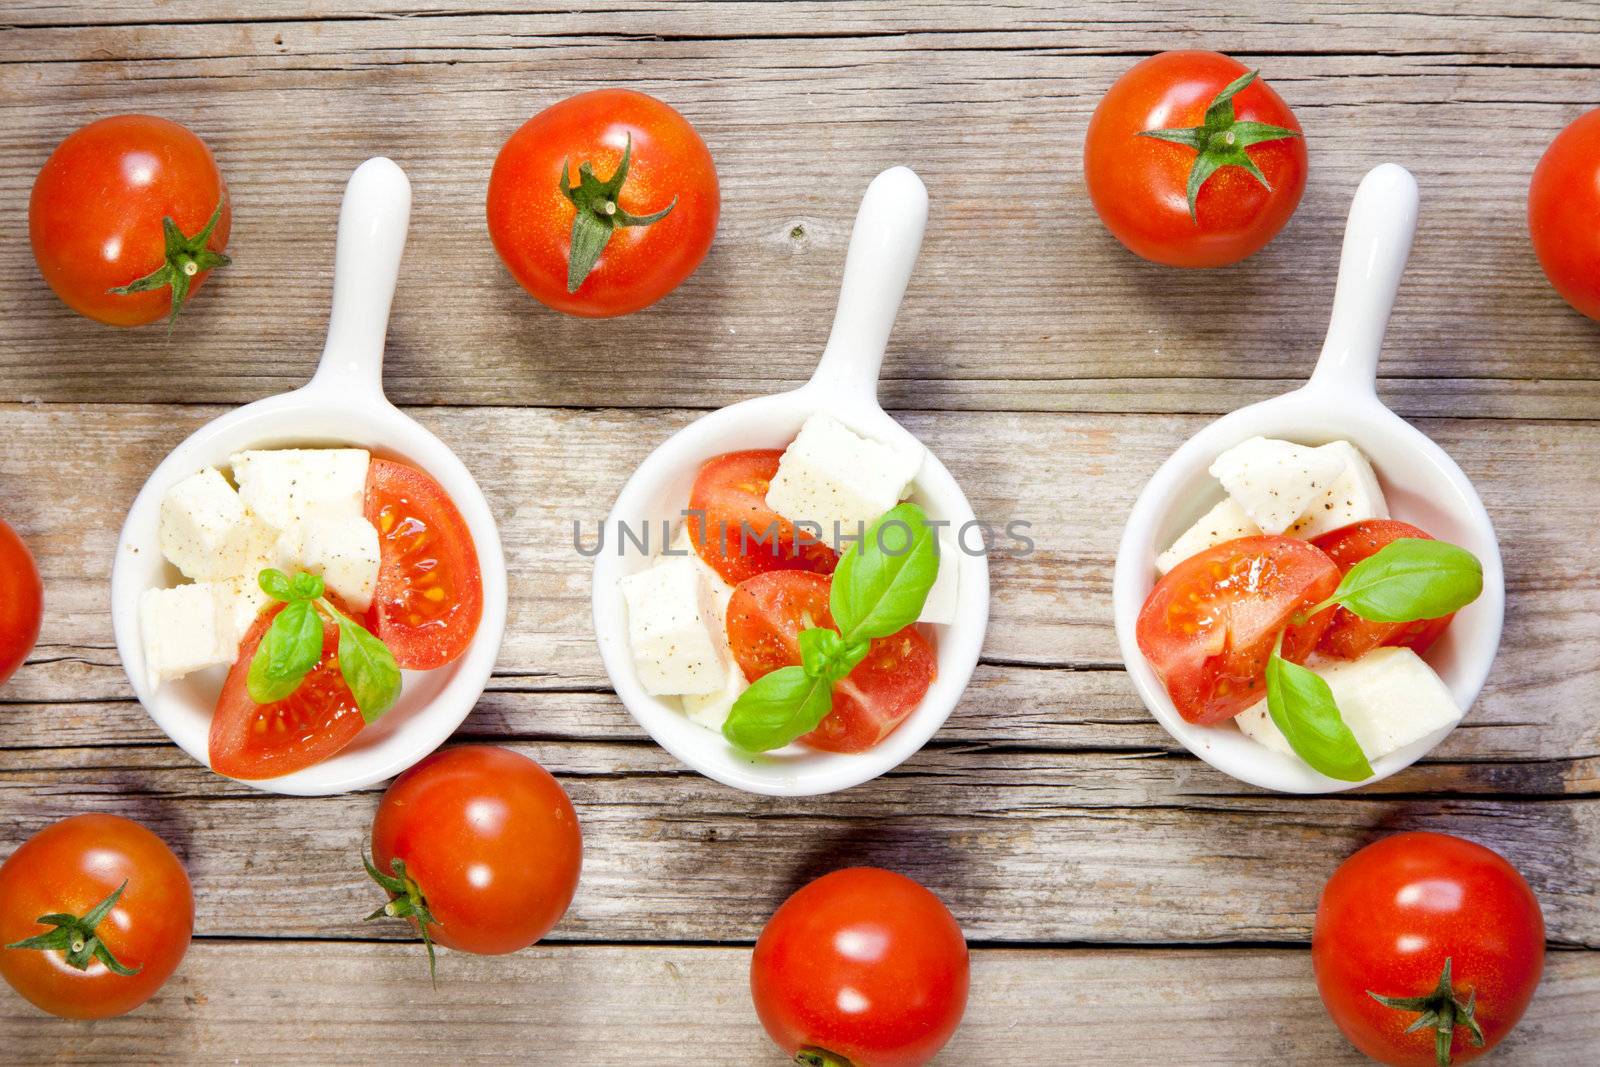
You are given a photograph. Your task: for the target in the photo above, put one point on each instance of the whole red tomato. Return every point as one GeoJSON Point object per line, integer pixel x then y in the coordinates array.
{"type": "Point", "coordinates": [1422, 922]}
{"type": "Point", "coordinates": [128, 215]}
{"type": "Point", "coordinates": [479, 847]}
{"type": "Point", "coordinates": [1193, 161]}
{"type": "Point", "coordinates": [604, 203]}
{"type": "Point", "coordinates": [1564, 213]}
{"type": "Point", "coordinates": [21, 602]}
{"type": "Point", "coordinates": [95, 915]}
{"type": "Point", "coordinates": [864, 968]}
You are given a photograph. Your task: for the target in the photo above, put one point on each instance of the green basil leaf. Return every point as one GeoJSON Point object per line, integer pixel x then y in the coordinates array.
{"type": "Point", "coordinates": [1411, 579]}
{"type": "Point", "coordinates": [1302, 707]}
{"type": "Point", "coordinates": [368, 667]}
{"type": "Point", "coordinates": [777, 708]}
{"type": "Point", "coordinates": [824, 654]}
{"type": "Point", "coordinates": [882, 582]}
{"type": "Point", "coordinates": [263, 688]}
{"type": "Point", "coordinates": [306, 586]}
{"type": "Point", "coordinates": [289, 649]}
{"type": "Point", "coordinates": [275, 584]}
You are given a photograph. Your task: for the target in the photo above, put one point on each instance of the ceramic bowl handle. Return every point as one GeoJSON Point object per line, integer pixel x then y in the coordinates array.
{"type": "Point", "coordinates": [883, 251]}
{"type": "Point", "coordinates": [1377, 241]}
{"type": "Point", "coordinates": [373, 220]}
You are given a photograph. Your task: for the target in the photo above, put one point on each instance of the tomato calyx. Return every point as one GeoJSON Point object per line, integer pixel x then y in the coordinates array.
{"type": "Point", "coordinates": [75, 938]}
{"type": "Point", "coordinates": [186, 259]}
{"type": "Point", "coordinates": [819, 1057]}
{"type": "Point", "coordinates": [1220, 141]}
{"type": "Point", "coordinates": [1442, 1010]}
{"type": "Point", "coordinates": [599, 215]}
{"type": "Point", "coordinates": [407, 901]}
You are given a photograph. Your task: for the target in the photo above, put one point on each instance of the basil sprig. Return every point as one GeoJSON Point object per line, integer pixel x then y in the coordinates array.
{"type": "Point", "coordinates": [878, 589]}
{"type": "Point", "coordinates": [293, 646]}
{"type": "Point", "coordinates": [1407, 580]}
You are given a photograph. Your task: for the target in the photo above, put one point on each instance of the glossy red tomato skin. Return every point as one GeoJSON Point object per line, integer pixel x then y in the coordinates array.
{"type": "Point", "coordinates": [1139, 184]}
{"type": "Point", "coordinates": [492, 840]}
{"type": "Point", "coordinates": [1209, 626]}
{"type": "Point", "coordinates": [424, 545]}
{"type": "Point", "coordinates": [530, 219]}
{"type": "Point", "coordinates": [863, 963]}
{"type": "Point", "coordinates": [253, 742]}
{"type": "Point", "coordinates": [21, 602]}
{"type": "Point", "coordinates": [1349, 636]}
{"type": "Point", "coordinates": [96, 210]}
{"type": "Point", "coordinates": [1390, 916]}
{"type": "Point", "coordinates": [764, 618]}
{"type": "Point", "coordinates": [728, 516]}
{"type": "Point", "coordinates": [1564, 213]}
{"type": "Point", "coordinates": [69, 867]}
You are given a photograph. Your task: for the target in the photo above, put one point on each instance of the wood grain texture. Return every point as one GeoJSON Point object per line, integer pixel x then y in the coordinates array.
{"type": "Point", "coordinates": [606, 1006]}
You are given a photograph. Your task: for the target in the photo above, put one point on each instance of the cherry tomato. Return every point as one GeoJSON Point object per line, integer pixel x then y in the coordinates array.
{"type": "Point", "coordinates": [1209, 626]}
{"type": "Point", "coordinates": [21, 602]}
{"type": "Point", "coordinates": [1350, 636]}
{"type": "Point", "coordinates": [429, 598]}
{"type": "Point", "coordinates": [765, 616]}
{"type": "Point", "coordinates": [74, 868]}
{"type": "Point", "coordinates": [253, 741]}
{"type": "Point", "coordinates": [1435, 918]}
{"type": "Point", "coordinates": [862, 967]}
{"type": "Point", "coordinates": [604, 203]}
{"type": "Point", "coordinates": [1141, 185]}
{"type": "Point", "coordinates": [735, 532]}
{"type": "Point", "coordinates": [481, 845]}
{"type": "Point", "coordinates": [1564, 213]}
{"type": "Point", "coordinates": [98, 215]}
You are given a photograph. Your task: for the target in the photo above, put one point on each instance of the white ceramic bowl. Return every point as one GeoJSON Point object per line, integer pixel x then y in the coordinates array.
{"type": "Point", "coordinates": [883, 250]}
{"type": "Point", "coordinates": [1422, 484]}
{"type": "Point", "coordinates": [342, 405]}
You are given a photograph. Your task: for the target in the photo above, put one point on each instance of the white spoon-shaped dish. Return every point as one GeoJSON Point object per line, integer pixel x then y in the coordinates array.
{"type": "Point", "coordinates": [883, 250]}
{"type": "Point", "coordinates": [1422, 484]}
{"type": "Point", "coordinates": [343, 405]}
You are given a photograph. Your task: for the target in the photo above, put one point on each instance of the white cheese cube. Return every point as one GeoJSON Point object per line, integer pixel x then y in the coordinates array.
{"type": "Point", "coordinates": [1276, 481]}
{"type": "Point", "coordinates": [708, 709]}
{"type": "Point", "coordinates": [1225, 522]}
{"type": "Point", "coordinates": [832, 476]}
{"type": "Point", "coordinates": [239, 602]}
{"type": "Point", "coordinates": [940, 607]}
{"type": "Point", "coordinates": [678, 645]}
{"type": "Point", "coordinates": [1389, 698]}
{"type": "Point", "coordinates": [711, 709]}
{"type": "Point", "coordinates": [1354, 495]}
{"type": "Point", "coordinates": [205, 530]}
{"type": "Point", "coordinates": [180, 631]}
{"type": "Point", "coordinates": [343, 552]}
{"type": "Point", "coordinates": [288, 484]}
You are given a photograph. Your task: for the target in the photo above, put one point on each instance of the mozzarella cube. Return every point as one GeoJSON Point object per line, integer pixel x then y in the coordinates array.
{"type": "Point", "coordinates": [285, 485]}
{"type": "Point", "coordinates": [1354, 495]}
{"type": "Point", "coordinates": [1275, 482]}
{"type": "Point", "coordinates": [708, 709]}
{"type": "Point", "coordinates": [940, 607]}
{"type": "Point", "coordinates": [1389, 698]}
{"type": "Point", "coordinates": [678, 646]}
{"type": "Point", "coordinates": [343, 552]}
{"type": "Point", "coordinates": [834, 477]}
{"type": "Point", "coordinates": [205, 530]}
{"type": "Point", "coordinates": [180, 631]}
{"type": "Point", "coordinates": [1225, 522]}
{"type": "Point", "coordinates": [239, 602]}
{"type": "Point", "coordinates": [711, 709]}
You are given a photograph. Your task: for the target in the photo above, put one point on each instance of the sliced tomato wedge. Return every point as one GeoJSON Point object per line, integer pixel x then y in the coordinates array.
{"type": "Point", "coordinates": [1209, 627]}
{"type": "Point", "coordinates": [765, 616]}
{"type": "Point", "coordinates": [429, 598]}
{"type": "Point", "coordinates": [733, 529]}
{"type": "Point", "coordinates": [253, 741]}
{"type": "Point", "coordinates": [1350, 636]}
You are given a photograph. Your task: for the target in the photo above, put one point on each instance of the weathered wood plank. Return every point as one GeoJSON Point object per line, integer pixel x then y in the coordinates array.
{"type": "Point", "coordinates": [1477, 330]}
{"type": "Point", "coordinates": [543, 469]}
{"type": "Point", "coordinates": [317, 1003]}
{"type": "Point", "coordinates": [1031, 847]}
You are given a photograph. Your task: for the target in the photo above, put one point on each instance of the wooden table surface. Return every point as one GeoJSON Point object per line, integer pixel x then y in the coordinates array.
{"type": "Point", "coordinates": [1125, 903]}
